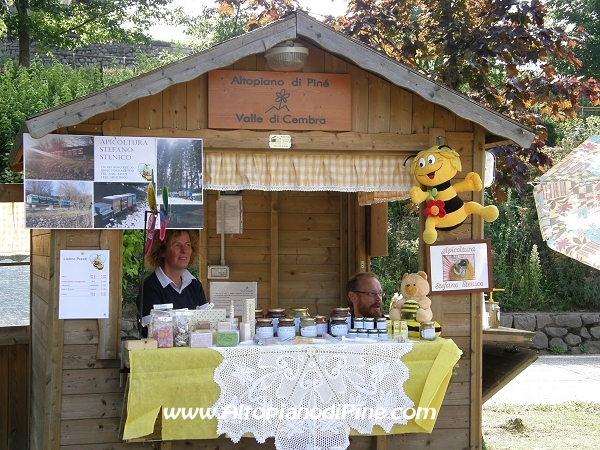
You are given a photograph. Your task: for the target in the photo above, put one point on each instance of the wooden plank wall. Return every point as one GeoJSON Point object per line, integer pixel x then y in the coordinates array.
{"type": "Point", "coordinates": [300, 247]}
{"type": "Point", "coordinates": [44, 359]}
{"type": "Point", "coordinates": [304, 247]}
{"type": "Point", "coordinates": [14, 387]}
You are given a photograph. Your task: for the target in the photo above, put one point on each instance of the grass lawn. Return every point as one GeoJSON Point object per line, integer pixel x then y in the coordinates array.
{"type": "Point", "coordinates": [573, 425]}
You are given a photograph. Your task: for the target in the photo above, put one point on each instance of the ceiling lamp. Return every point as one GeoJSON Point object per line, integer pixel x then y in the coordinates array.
{"type": "Point", "coordinates": [287, 56]}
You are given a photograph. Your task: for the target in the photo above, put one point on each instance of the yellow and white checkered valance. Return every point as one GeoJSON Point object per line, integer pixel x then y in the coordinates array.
{"type": "Point", "coordinates": [378, 178]}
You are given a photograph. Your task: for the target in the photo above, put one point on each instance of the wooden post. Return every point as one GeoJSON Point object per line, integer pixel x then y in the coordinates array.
{"type": "Point", "coordinates": [274, 294]}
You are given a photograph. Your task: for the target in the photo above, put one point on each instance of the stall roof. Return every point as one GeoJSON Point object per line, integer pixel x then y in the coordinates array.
{"type": "Point", "coordinates": [298, 25]}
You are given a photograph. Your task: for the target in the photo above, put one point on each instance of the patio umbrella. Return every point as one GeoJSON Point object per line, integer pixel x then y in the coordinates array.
{"type": "Point", "coordinates": [567, 199]}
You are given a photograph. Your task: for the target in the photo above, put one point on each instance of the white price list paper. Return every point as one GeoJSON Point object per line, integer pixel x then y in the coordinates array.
{"type": "Point", "coordinates": [83, 291]}
{"type": "Point", "coordinates": [222, 293]}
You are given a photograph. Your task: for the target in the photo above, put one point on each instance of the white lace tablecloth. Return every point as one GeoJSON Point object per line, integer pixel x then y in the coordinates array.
{"type": "Point", "coordinates": [309, 396]}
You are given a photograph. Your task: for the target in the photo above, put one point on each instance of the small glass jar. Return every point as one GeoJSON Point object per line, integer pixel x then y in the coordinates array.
{"type": "Point", "coordinates": [275, 314]}
{"type": "Point", "coordinates": [359, 323]}
{"type": "Point", "coordinates": [381, 323]}
{"type": "Point", "coordinates": [321, 322]}
{"type": "Point", "coordinates": [362, 333]}
{"type": "Point", "coordinates": [264, 327]}
{"type": "Point", "coordinates": [297, 314]}
{"type": "Point", "coordinates": [369, 323]}
{"type": "Point", "coordinates": [308, 327]}
{"type": "Point", "coordinates": [338, 327]}
{"type": "Point", "coordinates": [286, 328]}
{"type": "Point", "coordinates": [427, 331]}
{"type": "Point", "coordinates": [258, 314]}
{"type": "Point", "coordinates": [382, 334]}
{"type": "Point", "coordinates": [373, 334]}
{"type": "Point", "coordinates": [352, 333]}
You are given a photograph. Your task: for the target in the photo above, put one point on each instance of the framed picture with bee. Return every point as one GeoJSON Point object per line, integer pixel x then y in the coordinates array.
{"type": "Point", "coordinates": [459, 266]}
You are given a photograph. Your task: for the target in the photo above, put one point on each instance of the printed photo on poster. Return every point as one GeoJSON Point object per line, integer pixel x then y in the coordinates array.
{"type": "Point", "coordinates": [102, 181]}
{"type": "Point", "coordinates": [460, 266]}
{"type": "Point", "coordinates": [120, 205]}
{"type": "Point", "coordinates": [179, 168]}
{"type": "Point", "coordinates": [58, 204]}
{"type": "Point", "coordinates": [58, 157]}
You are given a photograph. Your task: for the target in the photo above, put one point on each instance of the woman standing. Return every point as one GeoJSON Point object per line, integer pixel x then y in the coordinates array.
{"type": "Point", "coordinates": [171, 282]}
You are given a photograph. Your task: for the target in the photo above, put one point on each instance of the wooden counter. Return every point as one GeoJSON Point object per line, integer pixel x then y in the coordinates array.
{"type": "Point", "coordinates": [506, 353]}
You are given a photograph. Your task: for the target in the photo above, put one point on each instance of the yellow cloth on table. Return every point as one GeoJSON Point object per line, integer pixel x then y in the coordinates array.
{"type": "Point", "coordinates": [430, 367]}
{"type": "Point", "coordinates": [183, 378]}
{"type": "Point", "coordinates": [171, 378]}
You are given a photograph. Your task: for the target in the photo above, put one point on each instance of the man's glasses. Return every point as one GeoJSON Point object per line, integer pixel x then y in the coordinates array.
{"type": "Point", "coordinates": [372, 294]}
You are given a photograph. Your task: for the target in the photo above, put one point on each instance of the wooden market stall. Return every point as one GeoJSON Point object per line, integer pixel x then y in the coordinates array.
{"type": "Point", "coordinates": [299, 244]}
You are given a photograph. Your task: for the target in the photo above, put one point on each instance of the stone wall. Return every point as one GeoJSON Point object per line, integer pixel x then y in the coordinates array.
{"type": "Point", "coordinates": [572, 333]}
{"type": "Point", "coordinates": [115, 54]}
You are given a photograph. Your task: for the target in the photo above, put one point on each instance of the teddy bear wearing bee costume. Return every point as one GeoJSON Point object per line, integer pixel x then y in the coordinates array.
{"type": "Point", "coordinates": [444, 209]}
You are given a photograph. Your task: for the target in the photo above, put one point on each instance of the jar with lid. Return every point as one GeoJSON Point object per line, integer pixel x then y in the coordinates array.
{"type": "Point", "coordinates": [381, 323]}
{"type": "Point", "coordinates": [373, 334]}
{"type": "Point", "coordinates": [338, 327]}
{"type": "Point", "coordinates": [352, 333]}
{"type": "Point", "coordinates": [359, 323]}
{"type": "Point", "coordinates": [258, 314]}
{"type": "Point", "coordinates": [286, 328]}
{"type": "Point", "coordinates": [369, 323]}
{"type": "Point", "coordinates": [362, 333]}
{"type": "Point", "coordinates": [341, 311]}
{"type": "Point", "coordinates": [275, 314]}
{"type": "Point", "coordinates": [427, 331]}
{"type": "Point", "coordinates": [308, 327]}
{"type": "Point", "coordinates": [321, 322]}
{"type": "Point", "coordinates": [298, 313]}
{"type": "Point", "coordinates": [264, 327]}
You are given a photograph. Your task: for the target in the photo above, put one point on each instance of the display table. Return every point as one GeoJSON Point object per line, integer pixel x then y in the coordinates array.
{"type": "Point", "coordinates": [314, 393]}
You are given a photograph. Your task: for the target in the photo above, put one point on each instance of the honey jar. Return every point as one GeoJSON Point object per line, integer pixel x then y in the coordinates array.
{"type": "Point", "coordinates": [286, 328]}
{"type": "Point", "coordinates": [427, 331]}
{"type": "Point", "coordinates": [321, 322]}
{"type": "Point", "coordinates": [298, 313]}
{"type": "Point", "coordinates": [275, 314]}
{"type": "Point", "coordinates": [308, 327]}
{"type": "Point", "coordinates": [369, 323]}
{"type": "Point", "coordinates": [341, 312]}
{"type": "Point", "coordinates": [338, 327]}
{"type": "Point", "coordinates": [264, 327]}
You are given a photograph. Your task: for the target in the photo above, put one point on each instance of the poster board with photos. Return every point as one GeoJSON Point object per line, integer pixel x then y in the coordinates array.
{"type": "Point", "coordinates": [80, 182]}
{"type": "Point", "coordinates": [459, 266]}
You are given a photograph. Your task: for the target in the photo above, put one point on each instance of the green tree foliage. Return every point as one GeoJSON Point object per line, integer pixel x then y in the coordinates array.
{"type": "Point", "coordinates": [403, 249]}
{"type": "Point", "coordinates": [73, 23]}
{"type": "Point", "coordinates": [584, 14]}
{"type": "Point", "coordinates": [27, 90]}
{"type": "Point", "coordinates": [133, 248]}
{"type": "Point", "coordinates": [211, 27]}
{"type": "Point", "coordinates": [260, 12]}
{"type": "Point", "coordinates": [534, 276]}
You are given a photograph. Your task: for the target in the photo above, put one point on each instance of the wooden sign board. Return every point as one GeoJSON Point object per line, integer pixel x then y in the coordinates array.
{"type": "Point", "coordinates": [252, 100]}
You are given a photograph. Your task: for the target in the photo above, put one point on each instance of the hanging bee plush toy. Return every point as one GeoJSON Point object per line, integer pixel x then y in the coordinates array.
{"type": "Point", "coordinates": [444, 209]}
